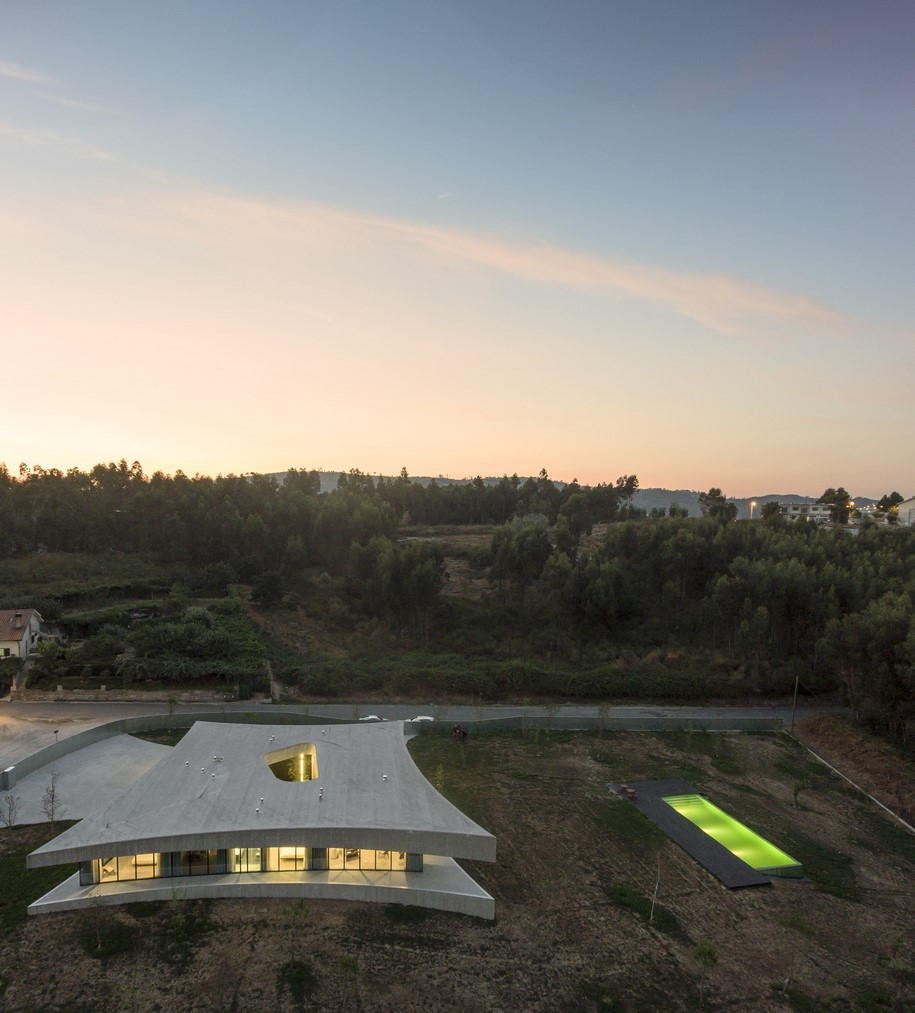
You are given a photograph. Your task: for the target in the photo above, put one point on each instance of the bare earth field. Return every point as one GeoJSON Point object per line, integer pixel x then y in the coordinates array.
{"type": "Point", "coordinates": [572, 885]}
{"type": "Point", "coordinates": [875, 765]}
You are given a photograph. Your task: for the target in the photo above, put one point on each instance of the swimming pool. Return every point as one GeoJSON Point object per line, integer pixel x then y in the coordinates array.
{"type": "Point", "coordinates": [747, 845]}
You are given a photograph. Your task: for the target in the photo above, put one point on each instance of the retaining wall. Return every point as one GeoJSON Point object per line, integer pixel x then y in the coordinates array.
{"type": "Point", "coordinates": [607, 724]}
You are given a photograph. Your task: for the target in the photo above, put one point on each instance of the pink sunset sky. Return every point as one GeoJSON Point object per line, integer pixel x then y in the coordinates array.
{"type": "Point", "coordinates": [234, 254]}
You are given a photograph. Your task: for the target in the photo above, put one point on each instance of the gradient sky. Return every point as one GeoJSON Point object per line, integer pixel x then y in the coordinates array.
{"type": "Point", "coordinates": [667, 238]}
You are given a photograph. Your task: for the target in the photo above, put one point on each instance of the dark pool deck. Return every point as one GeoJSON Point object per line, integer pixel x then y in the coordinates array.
{"type": "Point", "coordinates": [728, 868]}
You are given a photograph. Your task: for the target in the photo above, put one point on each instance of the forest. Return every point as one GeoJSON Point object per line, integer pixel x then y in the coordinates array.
{"type": "Point", "coordinates": [578, 596]}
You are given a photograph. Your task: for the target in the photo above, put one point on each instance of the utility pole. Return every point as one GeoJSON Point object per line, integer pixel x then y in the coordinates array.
{"type": "Point", "coordinates": [797, 679]}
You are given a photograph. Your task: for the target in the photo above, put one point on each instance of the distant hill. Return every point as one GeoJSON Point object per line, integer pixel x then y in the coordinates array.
{"type": "Point", "coordinates": [645, 499]}
{"type": "Point", "coordinates": [329, 479]}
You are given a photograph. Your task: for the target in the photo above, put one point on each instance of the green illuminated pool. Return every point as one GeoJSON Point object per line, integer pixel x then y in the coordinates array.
{"type": "Point", "coordinates": [748, 846]}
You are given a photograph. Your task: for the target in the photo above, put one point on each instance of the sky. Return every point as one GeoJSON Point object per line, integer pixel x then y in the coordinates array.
{"type": "Point", "coordinates": [471, 237]}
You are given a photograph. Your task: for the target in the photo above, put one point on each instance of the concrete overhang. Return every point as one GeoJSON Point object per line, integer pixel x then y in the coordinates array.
{"type": "Point", "coordinates": [214, 790]}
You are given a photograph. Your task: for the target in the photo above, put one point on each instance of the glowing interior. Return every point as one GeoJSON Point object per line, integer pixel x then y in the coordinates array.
{"type": "Point", "coordinates": [294, 763]}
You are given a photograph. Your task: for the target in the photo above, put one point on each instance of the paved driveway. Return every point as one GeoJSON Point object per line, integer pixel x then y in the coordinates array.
{"type": "Point", "coordinates": [87, 780]}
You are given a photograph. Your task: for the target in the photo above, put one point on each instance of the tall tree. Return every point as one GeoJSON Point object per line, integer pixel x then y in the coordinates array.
{"type": "Point", "coordinates": [839, 503]}
{"type": "Point", "coordinates": [715, 504]}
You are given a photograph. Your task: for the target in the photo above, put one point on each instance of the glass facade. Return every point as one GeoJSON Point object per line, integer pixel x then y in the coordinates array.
{"type": "Point", "coordinates": [168, 864]}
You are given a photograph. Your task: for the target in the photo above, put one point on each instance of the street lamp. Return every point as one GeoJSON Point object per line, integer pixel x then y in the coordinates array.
{"type": "Point", "coordinates": [752, 508]}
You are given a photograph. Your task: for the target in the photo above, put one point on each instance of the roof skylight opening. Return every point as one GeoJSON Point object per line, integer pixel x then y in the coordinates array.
{"type": "Point", "coordinates": [296, 763]}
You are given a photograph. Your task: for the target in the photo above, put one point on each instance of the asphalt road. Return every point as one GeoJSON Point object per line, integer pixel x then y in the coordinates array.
{"type": "Point", "coordinates": [26, 727]}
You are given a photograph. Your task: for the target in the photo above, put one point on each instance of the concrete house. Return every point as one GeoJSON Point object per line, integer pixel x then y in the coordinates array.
{"type": "Point", "coordinates": [19, 632]}
{"type": "Point", "coordinates": [906, 514]}
{"type": "Point", "coordinates": [336, 812]}
{"type": "Point", "coordinates": [820, 513]}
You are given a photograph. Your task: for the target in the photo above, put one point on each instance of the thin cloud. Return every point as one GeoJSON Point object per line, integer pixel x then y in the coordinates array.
{"type": "Point", "coordinates": [16, 72]}
{"type": "Point", "coordinates": [717, 301]}
{"type": "Point", "coordinates": [73, 103]}
{"type": "Point", "coordinates": [35, 138]}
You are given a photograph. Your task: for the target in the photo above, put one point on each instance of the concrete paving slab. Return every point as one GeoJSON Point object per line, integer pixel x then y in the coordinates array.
{"type": "Point", "coordinates": [88, 779]}
{"type": "Point", "coordinates": [22, 734]}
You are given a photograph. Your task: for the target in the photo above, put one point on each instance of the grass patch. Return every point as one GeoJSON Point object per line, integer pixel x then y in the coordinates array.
{"type": "Point", "coordinates": [626, 825]}
{"type": "Point", "coordinates": [796, 766]}
{"type": "Point", "coordinates": [145, 909]}
{"type": "Point", "coordinates": [799, 1001]}
{"type": "Point", "coordinates": [878, 1000]}
{"type": "Point", "coordinates": [831, 871]}
{"type": "Point", "coordinates": [182, 930]}
{"type": "Point", "coordinates": [884, 834]}
{"type": "Point", "coordinates": [164, 737]}
{"type": "Point", "coordinates": [299, 980]}
{"type": "Point", "coordinates": [704, 954]}
{"type": "Point", "coordinates": [103, 935]}
{"type": "Point", "coordinates": [74, 576]}
{"type": "Point", "coordinates": [663, 919]}
{"type": "Point", "coordinates": [451, 767]}
{"type": "Point", "coordinates": [405, 914]}
{"type": "Point", "coordinates": [20, 888]}
{"type": "Point", "coordinates": [348, 965]}
{"type": "Point", "coordinates": [593, 994]}
{"type": "Point", "coordinates": [795, 922]}
{"type": "Point", "coordinates": [649, 767]}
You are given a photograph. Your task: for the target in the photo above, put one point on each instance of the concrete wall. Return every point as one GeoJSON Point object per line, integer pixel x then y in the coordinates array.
{"type": "Point", "coordinates": [607, 724]}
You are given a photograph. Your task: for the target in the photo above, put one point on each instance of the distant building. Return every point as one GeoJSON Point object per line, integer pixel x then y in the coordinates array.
{"type": "Point", "coordinates": [19, 632]}
{"type": "Point", "coordinates": [818, 512]}
{"type": "Point", "coordinates": [906, 513]}
{"type": "Point", "coordinates": [869, 514]}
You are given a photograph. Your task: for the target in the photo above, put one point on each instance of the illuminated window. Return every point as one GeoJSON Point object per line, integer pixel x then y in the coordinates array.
{"type": "Point", "coordinates": [246, 860]}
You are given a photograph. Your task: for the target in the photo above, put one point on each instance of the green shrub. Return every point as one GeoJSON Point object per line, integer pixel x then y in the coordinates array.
{"type": "Point", "coordinates": [629, 899]}
{"type": "Point", "coordinates": [102, 934]}
{"type": "Point", "coordinates": [184, 925]}
{"type": "Point", "coordinates": [299, 979]}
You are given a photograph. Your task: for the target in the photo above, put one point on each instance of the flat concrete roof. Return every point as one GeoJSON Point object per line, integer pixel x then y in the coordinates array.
{"type": "Point", "coordinates": [215, 790]}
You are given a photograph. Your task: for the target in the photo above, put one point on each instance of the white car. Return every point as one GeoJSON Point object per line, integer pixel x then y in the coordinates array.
{"type": "Point", "coordinates": [423, 717]}
{"type": "Point", "coordinates": [371, 717]}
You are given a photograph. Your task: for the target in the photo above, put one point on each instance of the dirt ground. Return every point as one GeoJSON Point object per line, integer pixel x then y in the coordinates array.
{"type": "Point", "coordinates": [876, 766]}
{"type": "Point", "coordinates": [573, 881]}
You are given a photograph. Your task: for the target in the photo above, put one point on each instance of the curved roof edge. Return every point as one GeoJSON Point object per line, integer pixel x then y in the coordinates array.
{"type": "Point", "coordinates": [215, 790]}
{"type": "Point", "coordinates": [481, 848]}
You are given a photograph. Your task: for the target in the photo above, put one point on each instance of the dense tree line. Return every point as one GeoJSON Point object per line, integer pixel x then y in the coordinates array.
{"type": "Point", "coordinates": [770, 601]}
{"type": "Point", "coordinates": [254, 524]}
{"type": "Point", "coordinates": [833, 609]}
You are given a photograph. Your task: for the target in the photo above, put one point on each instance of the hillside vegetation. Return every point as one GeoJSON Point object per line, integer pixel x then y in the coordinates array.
{"type": "Point", "coordinates": [512, 590]}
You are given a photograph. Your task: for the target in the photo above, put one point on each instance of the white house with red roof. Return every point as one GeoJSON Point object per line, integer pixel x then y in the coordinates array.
{"type": "Point", "coordinates": [19, 632]}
